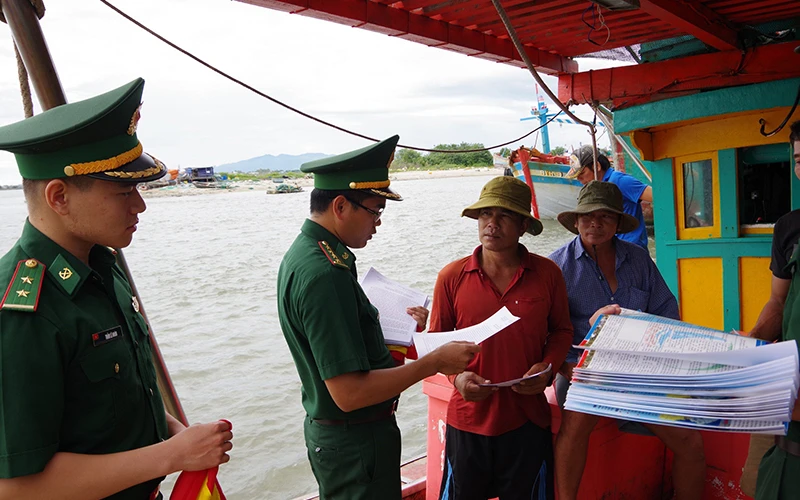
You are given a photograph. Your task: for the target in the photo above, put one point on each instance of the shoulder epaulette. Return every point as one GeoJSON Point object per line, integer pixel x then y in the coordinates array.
{"type": "Point", "coordinates": [25, 287]}
{"type": "Point", "coordinates": [331, 255]}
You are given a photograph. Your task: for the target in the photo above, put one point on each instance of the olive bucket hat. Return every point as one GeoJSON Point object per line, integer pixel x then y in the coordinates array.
{"type": "Point", "coordinates": [598, 195]}
{"type": "Point", "coordinates": [509, 193]}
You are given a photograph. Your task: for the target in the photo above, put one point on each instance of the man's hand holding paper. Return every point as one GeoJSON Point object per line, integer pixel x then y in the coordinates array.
{"type": "Point", "coordinates": [537, 384]}
{"type": "Point", "coordinates": [453, 357]}
{"type": "Point", "coordinates": [469, 385]}
{"type": "Point", "coordinates": [609, 309]}
{"type": "Point", "coordinates": [420, 315]}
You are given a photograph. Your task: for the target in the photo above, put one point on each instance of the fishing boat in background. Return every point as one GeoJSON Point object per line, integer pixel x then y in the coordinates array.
{"type": "Point", "coordinates": [555, 193]}
{"type": "Point", "coordinates": [285, 188]}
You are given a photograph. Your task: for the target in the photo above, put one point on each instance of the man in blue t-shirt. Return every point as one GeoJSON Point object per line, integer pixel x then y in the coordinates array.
{"type": "Point", "coordinates": [633, 190]}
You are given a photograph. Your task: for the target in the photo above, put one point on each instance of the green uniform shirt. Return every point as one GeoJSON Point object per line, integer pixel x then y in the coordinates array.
{"type": "Point", "coordinates": [63, 388]}
{"type": "Point", "coordinates": [327, 320]}
{"type": "Point", "coordinates": [791, 322]}
{"type": "Point", "coordinates": [778, 471]}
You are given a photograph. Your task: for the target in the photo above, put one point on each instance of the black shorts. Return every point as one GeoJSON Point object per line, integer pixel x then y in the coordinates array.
{"type": "Point", "coordinates": [514, 465]}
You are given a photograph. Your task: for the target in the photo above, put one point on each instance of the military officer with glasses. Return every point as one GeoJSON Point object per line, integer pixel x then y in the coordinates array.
{"type": "Point", "coordinates": [350, 383]}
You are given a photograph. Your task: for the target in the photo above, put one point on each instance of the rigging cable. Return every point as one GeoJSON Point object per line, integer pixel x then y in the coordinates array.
{"type": "Point", "coordinates": [299, 112]}
{"type": "Point", "coordinates": [22, 72]}
{"type": "Point", "coordinates": [512, 34]}
{"type": "Point", "coordinates": [763, 122]}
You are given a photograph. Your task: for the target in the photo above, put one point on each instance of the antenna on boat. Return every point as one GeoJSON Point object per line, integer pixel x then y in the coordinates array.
{"type": "Point", "coordinates": [541, 111]}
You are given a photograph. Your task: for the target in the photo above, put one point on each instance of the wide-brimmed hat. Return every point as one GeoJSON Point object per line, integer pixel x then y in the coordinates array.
{"type": "Point", "coordinates": [509, 193]}
{"type": "Point", "coordinates": [598, 195]}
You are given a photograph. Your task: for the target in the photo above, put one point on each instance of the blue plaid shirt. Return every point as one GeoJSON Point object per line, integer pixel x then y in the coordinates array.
{"type": "Point", "coordinates": [639, 285]}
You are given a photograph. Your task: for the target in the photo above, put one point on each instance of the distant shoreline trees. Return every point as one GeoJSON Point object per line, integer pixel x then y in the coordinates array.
{"type": "Point", "coordinates": [409, 159]}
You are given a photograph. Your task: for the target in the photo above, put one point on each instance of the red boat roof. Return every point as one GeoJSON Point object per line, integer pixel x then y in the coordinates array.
{"type": "Point", "coordinates": [555, 31]}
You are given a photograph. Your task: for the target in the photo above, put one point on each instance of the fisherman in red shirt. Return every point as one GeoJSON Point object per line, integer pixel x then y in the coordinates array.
{"type": "Point", "coordinates": [498, 440]}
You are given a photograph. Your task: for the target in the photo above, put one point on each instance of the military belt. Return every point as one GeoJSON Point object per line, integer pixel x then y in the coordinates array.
{"type": "Point", "coordinates": [383, 415]}
{"type": "Point", "coordinates": [787, 445]}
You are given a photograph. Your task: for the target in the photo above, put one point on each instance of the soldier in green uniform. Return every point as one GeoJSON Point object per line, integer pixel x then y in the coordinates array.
{"type": "Point", "coordinates": [780, 468]}
{"type": "Point", "coordinates": [82, 416]}
{"type": "Point", "coordinates": [349, 381]}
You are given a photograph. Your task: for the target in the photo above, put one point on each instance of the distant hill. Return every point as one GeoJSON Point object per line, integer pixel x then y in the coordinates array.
{"type": "Point", "coordinates": [270, 162]}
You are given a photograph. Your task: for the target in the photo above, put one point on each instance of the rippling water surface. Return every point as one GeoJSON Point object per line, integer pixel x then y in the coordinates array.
{"type": "Point", "coordinates": [206, 269]}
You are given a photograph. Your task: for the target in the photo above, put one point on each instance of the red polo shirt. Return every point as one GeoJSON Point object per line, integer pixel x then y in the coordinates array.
{"type": "Point", "coordinates": [465, 296]}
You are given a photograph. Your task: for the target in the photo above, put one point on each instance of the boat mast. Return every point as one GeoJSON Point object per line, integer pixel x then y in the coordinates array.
{"type": "Point", "coordinates": [29, 39]}
{"type": "Point", "coordinates": [541, 111]}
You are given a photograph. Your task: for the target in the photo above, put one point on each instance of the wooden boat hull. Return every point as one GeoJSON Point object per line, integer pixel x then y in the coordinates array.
{"type": "Point", "coordinates": [554, 192]}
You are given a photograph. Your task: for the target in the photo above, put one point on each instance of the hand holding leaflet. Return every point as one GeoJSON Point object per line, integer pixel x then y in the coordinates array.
{"type": "Point", "coordinates": [427, 342]}
{"type": "Point", "coordinates": [392, 299]}
{"type": "Point", "coordinates": [509, 383]}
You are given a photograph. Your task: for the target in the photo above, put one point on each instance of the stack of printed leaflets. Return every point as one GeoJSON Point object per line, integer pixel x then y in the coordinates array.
{"type": "Point", "coordinates": [650, 369]}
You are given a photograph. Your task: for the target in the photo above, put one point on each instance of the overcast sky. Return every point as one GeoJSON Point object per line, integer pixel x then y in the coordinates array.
{"type": "Point", "coordinates": [372, 83]}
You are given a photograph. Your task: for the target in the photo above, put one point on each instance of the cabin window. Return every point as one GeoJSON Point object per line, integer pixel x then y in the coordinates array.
{"type": "Point", "coordinates": [764, 182]}
{"type": "Point", "coordinates": [698, 194]}
{"type": "Point", "coordinates": [697, 191]}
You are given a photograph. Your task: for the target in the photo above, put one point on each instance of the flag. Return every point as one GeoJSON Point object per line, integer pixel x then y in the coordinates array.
{"type": "Point", "coordinates": [198, 485]}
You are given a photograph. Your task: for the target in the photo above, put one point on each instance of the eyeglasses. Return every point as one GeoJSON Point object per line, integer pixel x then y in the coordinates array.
{"type": "Point", "coordinates": [376, 214]}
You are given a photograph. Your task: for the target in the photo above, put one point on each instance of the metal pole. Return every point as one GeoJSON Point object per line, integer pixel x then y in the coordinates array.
{"type": "Point", "coordinates": [28, 37]}
{"type": "Point", "coordinates": [168, 393]}
{"type": "Point", "coordinates": [605, 117]}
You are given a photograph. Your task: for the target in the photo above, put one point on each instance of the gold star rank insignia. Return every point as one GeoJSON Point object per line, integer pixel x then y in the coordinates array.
{"type": "Point", "coordinates": [331, 255]}
{"type": "Point", "coordinates": [25, 286]}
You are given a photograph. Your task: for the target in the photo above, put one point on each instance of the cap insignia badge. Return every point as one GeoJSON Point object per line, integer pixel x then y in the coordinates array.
{"type": "Point", "coordinates": [135, 121]}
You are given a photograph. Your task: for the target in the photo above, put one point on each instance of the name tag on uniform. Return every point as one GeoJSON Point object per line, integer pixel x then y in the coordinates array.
{"type": "Point", "coordinates": [106, 336]}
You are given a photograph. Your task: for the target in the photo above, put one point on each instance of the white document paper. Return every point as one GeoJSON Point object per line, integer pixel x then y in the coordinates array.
{"type": "Point", "coordinates": [509, 383]}
{"type": "Point", "coordinates": [427, 342]}
{"type": "Point", "coordinates": [391, 299]}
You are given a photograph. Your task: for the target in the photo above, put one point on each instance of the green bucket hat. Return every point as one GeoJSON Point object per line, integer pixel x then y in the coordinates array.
{"type": "Point", "coordinates": [598, 195]}
{"type": "Point", "coordinates": [95, 137]}
{"type": "Point", "coordinates": [365, 169]}
{"type": "Point", "coordinates": [509, 193]}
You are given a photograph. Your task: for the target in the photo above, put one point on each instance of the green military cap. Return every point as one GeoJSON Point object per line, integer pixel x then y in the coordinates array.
{"type": "Point", "coordinates": [95, 137]}
{"type": "Point", "coordinates": [365, 169]}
